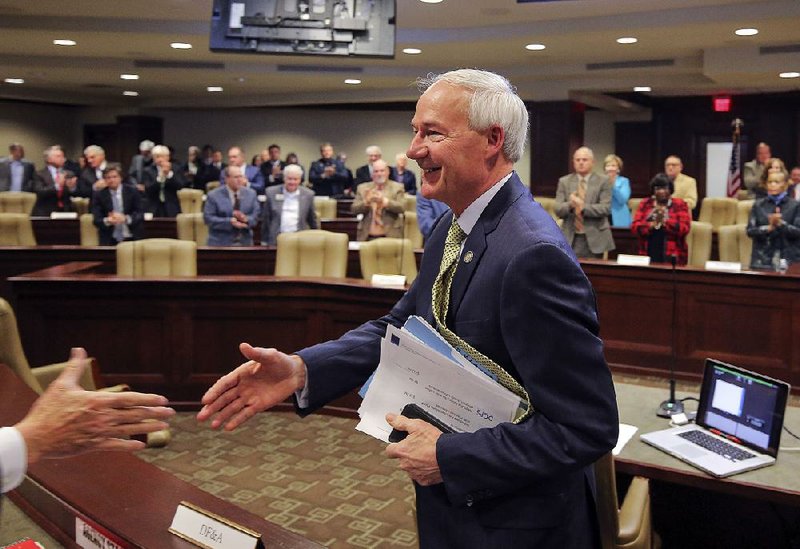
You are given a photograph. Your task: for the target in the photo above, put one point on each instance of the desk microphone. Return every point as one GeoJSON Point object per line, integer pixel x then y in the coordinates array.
{"type": "Point", "coordinates": [671, 406]}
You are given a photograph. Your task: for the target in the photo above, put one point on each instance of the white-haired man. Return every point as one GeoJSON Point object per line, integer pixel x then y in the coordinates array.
{"type": "Point", "coordinates": [141, 161]}
{"type": "Point", "coordinates": [364, 173]}
{"type": "Point", "coordinates": [289, 207]}
{"type": "Point", "coordinates": [91, 178]}
{"type": "Point", "coordinates": [517, 301]}
{"type": "Point", "coordinates": [162, 180]}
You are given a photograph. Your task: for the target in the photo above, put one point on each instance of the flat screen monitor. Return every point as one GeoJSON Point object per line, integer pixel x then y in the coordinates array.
{"type": "Point", "coordinates": [346, 28]}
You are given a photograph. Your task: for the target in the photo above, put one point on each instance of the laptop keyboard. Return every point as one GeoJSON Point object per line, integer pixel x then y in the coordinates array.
{"type": "Point", "coordinates": [713, 444]}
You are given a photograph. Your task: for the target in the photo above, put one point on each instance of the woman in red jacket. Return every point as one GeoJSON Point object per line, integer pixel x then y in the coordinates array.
{"type": "Point", "coordinates": [662, 223]}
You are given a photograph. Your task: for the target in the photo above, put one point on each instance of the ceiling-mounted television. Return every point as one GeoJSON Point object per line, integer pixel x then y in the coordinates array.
{"type": "Point", "coordinates": [347, 28]}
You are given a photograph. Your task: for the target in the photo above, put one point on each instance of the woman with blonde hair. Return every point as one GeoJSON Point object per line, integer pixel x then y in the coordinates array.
{"type": "Point", "coordinates": [620, 214]}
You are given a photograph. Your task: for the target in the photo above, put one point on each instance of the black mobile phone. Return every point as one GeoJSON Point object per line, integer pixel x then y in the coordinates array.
{"type": "Point", "coordinates": [414, 411]}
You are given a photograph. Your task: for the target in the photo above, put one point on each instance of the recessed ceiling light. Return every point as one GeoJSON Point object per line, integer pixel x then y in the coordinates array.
{"type": "Point", "coordinates": [64, 42]}
{"type": "Point", "coordinates": [412, 51]}
{"type": "Point", "coordinates": [790, 74]}
{"type": "Point", "coordinates": [535, 47]}
{"type": "Point", "coordinates": [129, 76]}
{"type": "Point", "coordinates": [642, 88]}
{"type": "Point", "coordinates": [214, 89]}
{"type": "Point", "coordinates": [430, 1]}
{"type": "Point", "coordinates": [130, 93]}
{"type": "Point", "coordinates": [180, 46]}
{"type": "Point", "coordinates": [745, 32]}
{"type": "Point", "coordinates": [14, 80]}
{"type": "Point", "coordinates": [627, 40]}
{"type": "Point", "coordinates": [352, 81]}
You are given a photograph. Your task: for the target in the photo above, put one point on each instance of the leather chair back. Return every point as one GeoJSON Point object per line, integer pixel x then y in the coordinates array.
{"type": "Point", "coordinates": [80, 205]}
{"type": "Point", "coordinates": [324, 207]}
{"type": "Point", "coordinates": [211, 185]}
{"type": "Point", "coordinates": [718, 211]}
{"type": "Point", "coordinates": [11, 352]}
{"type": "Point", "coordinates": [157, 258]}
{"type": "Point", "coordinates": [735, 245]}
{"type": "Point", "coordinates": [17, 202]}
{"type": "Point", "coordinates": [16, 229]}
{"type": "Point", "coordinates": [411, 229]}
{"type": "Point", "coordinates": [699, 243]}
{"type": "Point", "coordinates": [630, 526]}
{"type": "Point", "coordinates": [743, 211]}
{"type": "Point", "coordinates": [312, 253]}
{"type": "Point", "coordinates": [633, 205]}
{"type": "Point", "coordinates": [192, 227]}
{"type": "Point", "coordinates": [191, 200]}
{"type": "Point", "coordinates": [394, 256]}
{"type": "Point", "coordinates": [410, 203]}
{"type": "Point", "coordinates": [89, 235]}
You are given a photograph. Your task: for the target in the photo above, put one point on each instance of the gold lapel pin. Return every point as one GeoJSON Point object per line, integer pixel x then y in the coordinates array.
{"type": "Point", "coordinates": [468, 256]}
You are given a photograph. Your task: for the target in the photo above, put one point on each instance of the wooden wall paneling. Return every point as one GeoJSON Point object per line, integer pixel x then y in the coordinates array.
{"type": "Point", "coordinates": [634, 144]}
{"type": "Point", "coordinates": [556, 131]}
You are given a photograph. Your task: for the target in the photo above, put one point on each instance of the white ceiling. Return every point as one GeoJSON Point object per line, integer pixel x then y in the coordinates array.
{"type": "Point", "coordinates": [695, 36]}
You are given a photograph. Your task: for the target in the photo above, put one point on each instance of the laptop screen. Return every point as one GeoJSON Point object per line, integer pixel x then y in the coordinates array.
{"type": "Point", "coordinates": [743, 405]}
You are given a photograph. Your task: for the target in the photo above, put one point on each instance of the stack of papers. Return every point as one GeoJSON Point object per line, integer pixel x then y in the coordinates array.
{"type": "Point", "coordinates": [418, 366]}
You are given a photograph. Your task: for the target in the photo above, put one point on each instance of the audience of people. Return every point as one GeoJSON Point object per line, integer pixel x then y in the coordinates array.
{"type": "Point", "coordinates": [662, 222]}
{"type": "Point", "coordinates": [289, 207]}
{"type": "Point", "coordinates": [774, 226]}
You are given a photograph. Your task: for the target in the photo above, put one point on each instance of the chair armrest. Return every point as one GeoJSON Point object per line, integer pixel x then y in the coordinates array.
{"type": "Point", "coordinates": [45, 375]}
{"type": "Point", "coordinates": [119, 388]}
{"type": "Point", "coordinates": [635, 510]}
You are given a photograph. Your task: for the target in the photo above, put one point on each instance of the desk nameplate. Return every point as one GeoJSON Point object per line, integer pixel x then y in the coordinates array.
{"type": "Point", "coordinates": [211, 531]}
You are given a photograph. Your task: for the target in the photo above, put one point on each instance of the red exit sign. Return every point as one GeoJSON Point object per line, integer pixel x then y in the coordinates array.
{"type": "Point", "coordinates": [722, 103]}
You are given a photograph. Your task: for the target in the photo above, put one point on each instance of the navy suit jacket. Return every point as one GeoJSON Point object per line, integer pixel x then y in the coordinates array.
{"type": "Point", "coordinates": [524, 301]}
{"type": "Point", "coordinates": [103, 205]}
{"type": "Point", "coordinates": [218, 211]}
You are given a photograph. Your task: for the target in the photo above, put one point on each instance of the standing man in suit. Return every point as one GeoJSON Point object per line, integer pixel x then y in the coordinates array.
{"type": "Point", "coordinates": [380, 203]}
{"type": "Point", "coordinates": [328, 176]}
{"type": "Point", "coordinates": [685, 186]}
{"type": "Point", "coordinates": [518, 298]}
{"type": "Point", "coordinates": [16, 173]}
{"type": "Point", "coordinates": [364, 173]}
{"type": "Point", "coordinates": [91, 178]}
{"type": "Point", "coordinates": [162, 180]}
{"type": "Point", "coordinates": [253, 177]}
{"type": "Point", "coordinates": [289, 207]}
{"type": "Point", "coordinates": [231, 211]}
{"type": "Point", "coordinates": [140, 162]}
{"type": "Point", "coordinates": [583, 201]}
{"type": "Point", "coordinates": [53, 185]}
{"type": "Point", "coordinates": [117, 209]}
{"type": "Point", "coordinates": [751, 174]}
{"type": "Point", "coordinates": [272, 167]}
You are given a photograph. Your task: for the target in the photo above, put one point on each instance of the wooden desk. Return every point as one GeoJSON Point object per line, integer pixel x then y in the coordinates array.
{"type": "Point", "coordinates": [132, 499]}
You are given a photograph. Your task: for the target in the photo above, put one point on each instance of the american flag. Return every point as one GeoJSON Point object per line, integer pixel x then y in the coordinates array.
{"type": "Point", "coordinates": [734, 171]}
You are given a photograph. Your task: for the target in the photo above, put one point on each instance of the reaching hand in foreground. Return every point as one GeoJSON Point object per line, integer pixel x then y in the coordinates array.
{"type": "Point", "coordinates": [266, 379]}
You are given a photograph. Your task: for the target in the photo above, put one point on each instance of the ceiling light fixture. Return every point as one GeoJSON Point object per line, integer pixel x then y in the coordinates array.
{"type": "Point", "coordinates": [14, 80]}
{"type": "Point", "coordinates": [431, 1]}
{"type": "Point", "coordinates": [64, 42]}
{"type": "Point", "coordinates": [535, 47]}
{"type": "Point", "coordinates": [642, 88]}
{"type": "Point", "coordinates": [790, 74]}
{"type": "Point", "coordinates": [129, 76]}
{"type": "Point", "coordinates": [412, 51]}
{"type": "Point", "coordinates": [130, 93]}
{"type": "Point", "coordinates": [352, 81]}
{"type": "Point", "coordinates": [180, 46]}
{"type": "Point", "coordinates": [627, 40]}
{"type": "Point", "coordinates": [214, 89]}
{"type": "Point", "coordinates": [745, 32]}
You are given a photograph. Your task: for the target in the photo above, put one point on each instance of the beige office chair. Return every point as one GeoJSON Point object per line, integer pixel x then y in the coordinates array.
{"type": "Point", "coordinates": [735, 245]}
{"type": "Point", "coordinates": [191, 226]}
{"type": "Point", "coordinates": [324, 207]}
{"type": "Point", "coordinates": [633, 205]}
{"type": "Point", "coordinates": [191, 200]}
{"type": "Point", "coordinates": [393, 256]}
{"type": "Point", "coordinates": [38, 379]}
{"type": "Point", "coordinates": [16, 229]}
{"type": "Point", "coordinates": [89, 236]}
{"type": "Point", "coordinates": [410, 203]}
{"type": "Point", "coordinates": [629, 526]}
{"type": "Point", "coordinates": [17, 202]}
{"type": "Point", "coordinates": [699, 243]}
{"type": "Point", "coordinates": [157, 258]}
{"type": "Point", "coordinates": [549, 204]}
{"type": "Point", "coordinates": [743, 208]}
{"type": "Point", "coordinates": [311, 253]}
{"type": "Point", "coordinates": [80, 205]}
{"type": "Point", "coordinates": [411, 229]}
{"type": "Point", "coordinates": [211, 185]}
{"type": "Point", "coordinates": [718, 211]}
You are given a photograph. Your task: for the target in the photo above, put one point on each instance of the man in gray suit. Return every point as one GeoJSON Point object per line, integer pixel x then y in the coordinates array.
{"type": "Point", "coordinates": [583, 201]}
{"type": "Point", "coordinates": [16, 173]}
{"type": "Point", "coordinates": [289, 207]}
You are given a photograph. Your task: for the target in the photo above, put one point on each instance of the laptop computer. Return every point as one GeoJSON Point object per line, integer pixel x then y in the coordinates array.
{"type": "Point", "coordinates": [738, 426]}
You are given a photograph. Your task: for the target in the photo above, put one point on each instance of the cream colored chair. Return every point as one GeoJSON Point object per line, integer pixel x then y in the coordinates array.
{"type": "Point", "coordinates": [157, 258]}
{"type": "Point", "coordinates": [393, 256]}
{"type": "Point", "coordinates": [16, 229]}
{"type": "Point", "coordinates": [629, 526]}
{"type": "Point", "coordinates": [718, 211]}
{"type": "Point", "coordinates": [191, 226]}
{"type": "Point", "coordinates": [191, 200]}
{"type": "Point", "coordinates": [211, 185]}
{"type": "Point", "coordinates": [325, 207]}
{"type": "Point", "coordinates": [410, 203]}
{"type": "Point", "coordinates": [312, 253]}
{"type": "Point", "coordinates": [699, 243]}
{"type": "Point", "coordinates": [633, 205]}
{"type": "Point", "coordinates": [38, 379]}
{"type": "Point", "coordinates": [17, 202]}
{"type": "Point", "coordinates": [89, 235]}
{"type": "Point", "coordinates": [743, 208]}
{"type": "Point", "coordinates": [549, 204]}
{"type": "Point", "coordinates": [80, 205]}
{"type": "Point", "coordinates": [411, 229]}
{"type": "Point", "coordinates": [735, 245]}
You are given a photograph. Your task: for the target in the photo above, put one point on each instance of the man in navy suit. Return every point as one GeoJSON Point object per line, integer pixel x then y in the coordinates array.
{"type": "Point", "coordinates": [519, 297]}
{"type": "Point", "coordinates": [231, 211]}
{"type": "Point", "coordinates": [117, 209]}
{"type": "Point", "coordinates": [252, 174]}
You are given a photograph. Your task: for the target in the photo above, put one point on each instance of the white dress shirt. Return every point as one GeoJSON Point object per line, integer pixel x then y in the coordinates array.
{"type": "Point", "coordinates": [290, 212]}
{"type": "Point", "coordinates": [13, 458]}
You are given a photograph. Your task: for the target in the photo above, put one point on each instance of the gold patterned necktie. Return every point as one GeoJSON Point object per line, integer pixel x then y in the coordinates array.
{"type": "Point", "coordinates": [579, 211]}
{"type": "Point", "coordinates": [440, 303]}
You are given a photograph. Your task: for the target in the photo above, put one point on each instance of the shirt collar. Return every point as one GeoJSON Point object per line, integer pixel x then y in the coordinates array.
{"type": "Point", "coordinates": [470, 216]}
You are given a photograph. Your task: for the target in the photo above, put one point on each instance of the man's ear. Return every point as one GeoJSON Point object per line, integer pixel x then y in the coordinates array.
{"type": "Point", "coordinates": [495, 139]}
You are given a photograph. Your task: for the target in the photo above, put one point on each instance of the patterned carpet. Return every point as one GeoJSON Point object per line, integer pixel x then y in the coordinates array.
{"type": "Point", "coordinates": [316, 476]}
